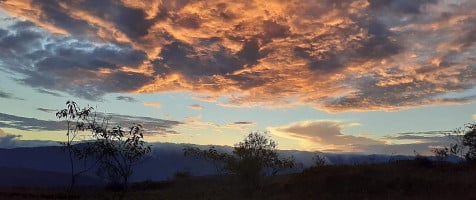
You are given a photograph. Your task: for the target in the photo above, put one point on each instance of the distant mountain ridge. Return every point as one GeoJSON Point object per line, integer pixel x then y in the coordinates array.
{"type": "Point", "coordinates": [165, 161]}
{"type": "Point", "coordinates": [36, 178]}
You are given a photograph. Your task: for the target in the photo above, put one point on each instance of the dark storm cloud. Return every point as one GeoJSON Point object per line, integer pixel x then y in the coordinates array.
{"type": "Point", "coordinates": [401, 6]}
{"type": "Point", "coordinates": [433, 136]}
{"type": "Point", "coordinates": [379, 45]}
{"type": "Point", "coordinates": [242, 123]}
{"type": "Point", "coordinates": [426, 142]}
{"type": "Point", "coordinates": [467, 36]}
{"type": "Point", "coordinates": [183, 58]}
{"type": "Point", "coordinates": [87, 84]}
{"type": "Point", "coordinates": [334, 55]}
{"type": "Point", "coordinates": [332, 59]}
{"type": "Point", "coordinates": [29, 124]}
{"type": "Point", "coordinates": [7, 95]}
{"type": "Point", "coordinates": [395, 91]}
{"type": "Point", "coordinates": [53, 13]}
{"type": "Point", "coordinates": [250, 51]}
{"type": "Point", "coordinates": [324, 63]}
{"type": "Point", "coordinates": [130, 21]}
{"type": "Point", "coordinates": [69, 65]}
{"type": "Point", "coordinates": [64, 57]}
{"type": "Point", "coordinates": [47, 110]}
{"type": "Point", "coordinates": [44, 91]}
{"type": "Point", "coordinates": [126, 99]}
{"type": "Point", "coordinates": [124, 81]}
{"type": "Point", "coordinates": [21, 25]}
{"type": "Point", "coordinates": [151, 125]}
{"type": "Point", "coordinates": [19, 42]}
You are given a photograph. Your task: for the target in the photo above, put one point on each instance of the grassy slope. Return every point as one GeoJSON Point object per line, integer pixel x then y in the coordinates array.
{"type": "Point", "coordinates": [401, 180]}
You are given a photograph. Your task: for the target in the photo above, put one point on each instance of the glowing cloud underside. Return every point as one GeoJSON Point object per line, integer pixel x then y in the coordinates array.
{"type": "Point", "coordinates": [333, 55]}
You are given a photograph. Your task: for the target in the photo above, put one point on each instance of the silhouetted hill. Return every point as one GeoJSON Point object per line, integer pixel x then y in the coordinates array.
{"type": "Point", "coordinates": [166, 160]}
{"type": "Point", "coordinates": [35, 178]}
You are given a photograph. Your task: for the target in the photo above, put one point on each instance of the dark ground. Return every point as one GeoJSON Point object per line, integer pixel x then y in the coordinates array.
{"type": "Point", "coordinates": [397, 180]}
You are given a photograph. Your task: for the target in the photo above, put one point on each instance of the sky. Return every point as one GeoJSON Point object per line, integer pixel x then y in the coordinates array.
{"type": "Point", "coordinates": [362, 76]}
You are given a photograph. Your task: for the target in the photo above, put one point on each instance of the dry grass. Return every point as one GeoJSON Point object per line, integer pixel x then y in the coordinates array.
{"type": "Point", "coordinates": [399, 180]}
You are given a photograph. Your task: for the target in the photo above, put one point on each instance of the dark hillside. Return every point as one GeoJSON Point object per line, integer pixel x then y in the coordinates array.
{"type": "Point", "coordinates": [396, 180]}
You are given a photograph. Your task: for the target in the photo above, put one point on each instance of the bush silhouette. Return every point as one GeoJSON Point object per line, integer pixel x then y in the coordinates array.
{"type": "Point", "coordinates": [319, 160]}
{"type": "Point", "coordinates": [463, 143]}
{"type": "Point", "coordinates": [254, 157]}
{"type": "Point", "coordinates": [76, 119]}
{"type": "Point", "coordinates": [114, 150]}
{"type": "Point", "coordinates": [469, 140]}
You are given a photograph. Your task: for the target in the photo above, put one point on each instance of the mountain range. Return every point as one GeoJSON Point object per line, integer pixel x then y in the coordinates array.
{"type": "Point", "coordinates": [49, 166]}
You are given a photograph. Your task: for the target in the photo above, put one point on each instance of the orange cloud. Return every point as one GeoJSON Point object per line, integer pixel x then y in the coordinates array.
{"type": "Point", "coordinates": [333, 55]}
{"type": "Point", "coordinates": [152, 104]}
{"type": "Point", "coordinates": [325, 135]}
{"type": "Point", "coordinates": [195, 107]}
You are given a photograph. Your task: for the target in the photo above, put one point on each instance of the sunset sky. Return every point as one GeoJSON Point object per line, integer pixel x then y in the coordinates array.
{"type": "Point", "coordinates": [365, 76]}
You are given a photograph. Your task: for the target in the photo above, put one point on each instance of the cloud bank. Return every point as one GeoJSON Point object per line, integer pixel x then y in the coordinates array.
{"type": "Point", "coordinates": [333, 55]}
{"type": "Point", "coordinates": [12, 141]}
{"type": "Point", "coordinates": [150, 125]}
{"type": "Point", "coordinates": [326, 135]}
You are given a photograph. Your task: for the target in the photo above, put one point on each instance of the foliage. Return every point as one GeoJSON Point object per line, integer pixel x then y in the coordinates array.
{"type": "Point", "coordinates": [114, 150]}
{"type": "Point", "coordinates": [254, 157]}
{"type": "Point", "coordinates": [463, 142]}
{"type": "Point", "coordinates": [76, 118]}
{"type": "Point", "coordinates": [218, 159]}
{"type": "Point", "coordinates": [256, 153]}
{"type": "Point", "coordinates": [319, 160]}
{"type": "Point", "coordinates": [469, 140]}
{"type": "Point", "coordinates": [441, 153]}
{"type": "Point", "coordinates": [118, 151]}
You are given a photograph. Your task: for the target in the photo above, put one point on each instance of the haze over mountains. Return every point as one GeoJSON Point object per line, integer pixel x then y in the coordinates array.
{"type": "Point", "coordinates": [48, 166]}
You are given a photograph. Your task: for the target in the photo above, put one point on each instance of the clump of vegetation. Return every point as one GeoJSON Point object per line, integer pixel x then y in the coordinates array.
{"type": "Point", "coordinates": [319, 160]}
{"type": "Point", "coordinates": [76, 119]}
{"type": "Point", "coordinates": [441, 153]}
{"type": "Point", "coordinates": [253, 158]}
{"type": "Point", "coordinates": [395, 180]}
{"type": "Point", "coordinates": [463, 144]}
{"type": "Point", "coordinates": [114, 150]}
{"type": "Point", "coordinates": [469, 140]}
{"type": "Point", "coordinates": [118, 151]}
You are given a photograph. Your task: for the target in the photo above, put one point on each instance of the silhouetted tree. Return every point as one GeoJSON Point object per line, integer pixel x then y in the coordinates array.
{"type": "Point", "coordinates": [113, 150]}
{"type": "Point", "coordinates": [256, 153]}
{"type": "Point", "coordinates": [463, 142]}
{"type": "Point", "coordinates": [118, 151]}
{"type": "Point", "coordinates": [469, 140]}
{"type": "Point", "coordinates": [319, 160]}
{"type": "Point", "coordinates": [251, 159]}
{"type": "Point", "coordinates": [76, 118]}
{"type": "Point", "coordinates": [218, 159]}
{"type": "Point", "coordinates": [441, 153]}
